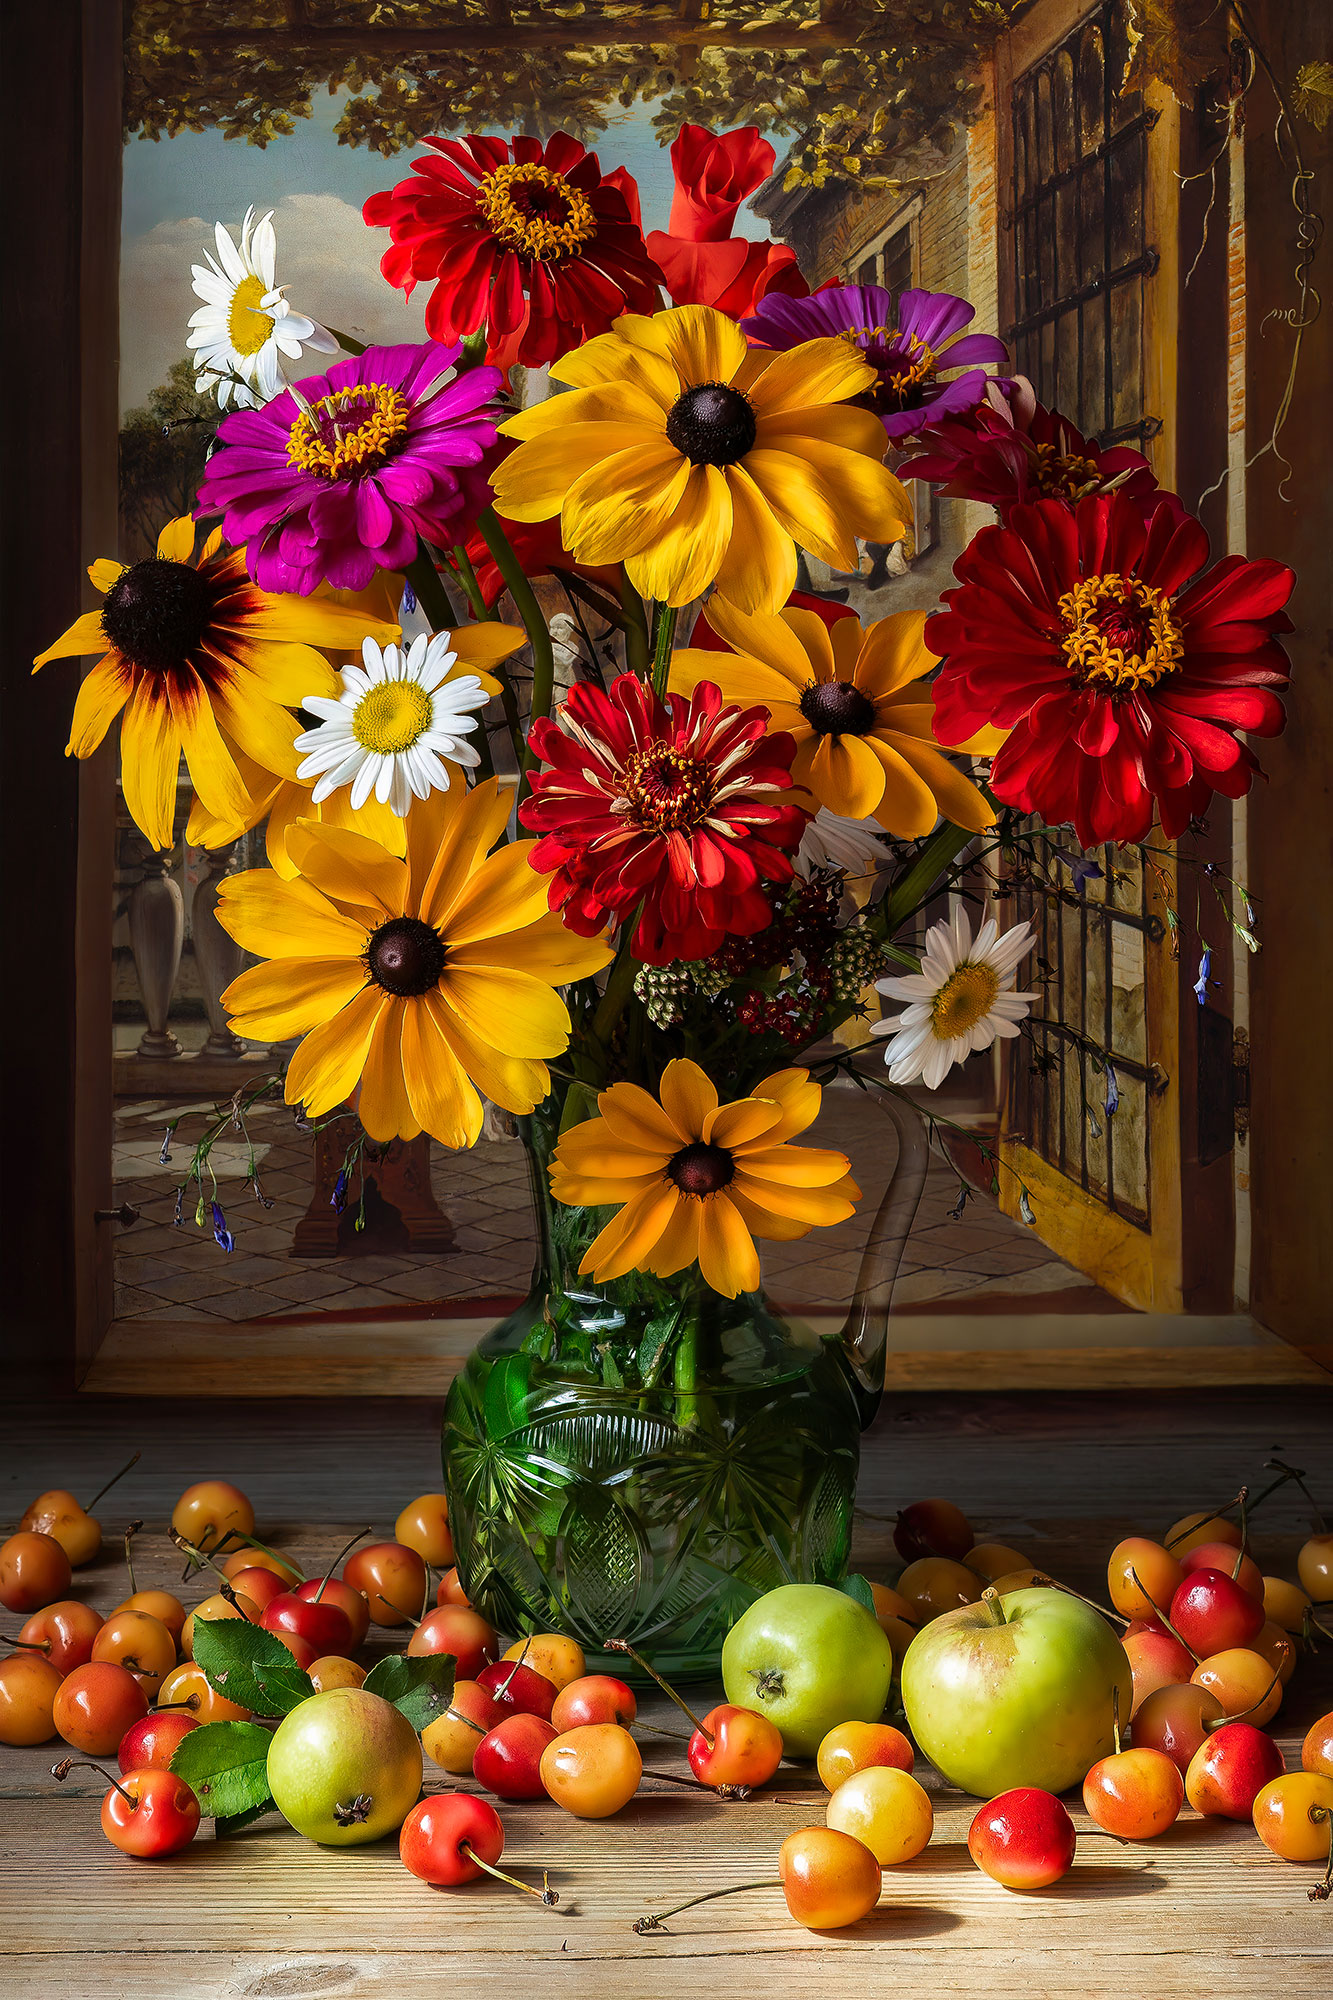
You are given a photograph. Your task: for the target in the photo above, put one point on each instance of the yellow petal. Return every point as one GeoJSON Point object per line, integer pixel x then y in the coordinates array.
{"type": "Point", "coordinates": [769, 637]}
{"type": "Point", "coordinates": [503, 894]}
{"type": "Point", "coordinates": [211, 546]}
{"type": "Point", "coordinates": [316, 621]}
{"type": "Point", "coordinates": [688, 1096]}
{"type": "Point", "coordinates": [893, 652]}
{"type": "Point", "coordinates": [761, 1221]}
{"type": "Point", "coordinates": [629, 1237]}
{"type": "Point", "coordinates": [349, 868]}
{"type": "Point", "coordinates": [727, 1256]}
{"type": "Point", "coordinates": [545, 949]}
{"type": "Point", "coordinates": [176, 541]}
{"type": "Point", "coordinates": [836, 423]}
{"type": "Point", "coordinates": [827, 370]}
{"type": "Point", "coordinates": [740, 678]}
{"type": "Point", "coordinates": [327, 1067]}
{"type": "Point", "coordinates": [846, 776]}
{"type": "Point", "coordinates": [702, 344]}
{"type": "Point", "coordinates": [277, 919]}
{"type": "Point", "coordinates": [264, 731]}
{"type": "Point", "coordinates": [150, 755]}
{"type": "Point", "coordinates": [687, 554]}
{"type": "Point", "coordinates": [815, 1207]}
{"type": "Point", "coordinates": [277, 671]}
{"type": "Point", "coordinates": [290, 996]}
{"type": "Point", "coordinates": [632, 1114]}
{"type": "Point", "coordinates": [517, 1082]}
{"type": "Point", "coordinates": [103, 692]}
{"type": "Point", "coordinates": [447, 835]}
{"type": "Point", "coordinates": [794, 1166]}
{"type": "Point", "coordinates": [532, 482]}
{"type": "Point", "coordinates": [378, 823]}
{"type": "Point", "coordinates": [799, 1097]}
{"type": "Point", "coordinates": [741, 1122]}
{"type": "Point", "coordinates": [105, 574]}
{"type": "Point", "coordinates": [529, 1014]}
{"type": "Point", "coordinates": [207, 759]}
{"type": "Point", "coordinates": [590, 1149]}
{"type": "Point", "coordinates": [85, 635]}
{"type": "Point", "coordinates": [845, 636]}
{"type": "Point", "coordinates": [608, 358]}
{"type": "Point", "coordinates": [442, 1097]}
{"type": "Point", "coordinates": [382, 1102]}
{"type": "Point", "coordinates": [624, 503]}
{"type": "Point", "coordinates": [813, 636]}
{"type": "Point", "coordinates": [678, 1245]}
{"type": "Point", "coordinates": [758, 572]}
{"type": "Point", "coordinates": [907, 805]}
{"type": "Point", "coordinates": [955, 795]}
{"type": "Point", "coordinates": [486, 645]}
{"type": "Point", "coordinates": [826, 497]}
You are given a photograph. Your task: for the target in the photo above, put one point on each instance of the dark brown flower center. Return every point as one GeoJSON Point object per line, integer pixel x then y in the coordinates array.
{"type": "Point", "coordinates": [666, 789]}
{"type": "Point", "coordinates": [157, 612]}
{"type": "Point", "coordinates": [836, 708]}
{"type": "Point", "coordinates": [701, 1169]}
{"type": "Point", "coordinates": [406, 957]}
{"type": "Point", "coordinates": [1064, 475]}
{"type": "Point", "coordinates": [712, 424]}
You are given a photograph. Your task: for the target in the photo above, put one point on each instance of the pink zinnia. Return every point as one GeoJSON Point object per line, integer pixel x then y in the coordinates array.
{"type": "Point", "coordinates": [338, 478]}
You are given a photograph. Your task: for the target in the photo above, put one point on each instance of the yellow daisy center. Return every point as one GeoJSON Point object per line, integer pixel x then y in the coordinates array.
{"type": "Point", "coordinates": [1119, 632]}
{"type": "Point", "coordinates": [534, 211]}
{"type": "Point", "coordinates": [1063, 475]}
{"type": "Point", "coordinates": [965, 998]}
{"type": "Point", "coordinates": [248, 327]}
{"type": "Point", "coordinates": [392, 716]}
{"type": "Point", "coordinates": [666, 789]}
{"type": "Point", "coordinates": [353, 430]}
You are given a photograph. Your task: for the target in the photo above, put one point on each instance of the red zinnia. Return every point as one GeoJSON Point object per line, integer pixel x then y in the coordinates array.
{"type": "Point", "coordinates": [1121, 681]}
{"type": "Point", "coordinates": [666, 803]}
{"type": "Point", "coordinates": [1011, 449]}
{"type": "Point", "coordinates": [701, 262]}
{"type": "Point", "coordinates": [532, 243]}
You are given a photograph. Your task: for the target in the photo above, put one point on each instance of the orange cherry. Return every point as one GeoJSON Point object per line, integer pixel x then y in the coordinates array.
{"type": "Point", "coordinates": [557, 1659]}
{"type": "Point", "coordinates": [1191, 1531]}
{"type": "Point", "coordinates": [211, 1510]}
{"type": "Point", "coordinates": [1159, 1575]}
{"type": "Point", "coordinates": [1293, 1815]}
{"type": "Point", "coordinates": [63, 1633]}
{"type": "Point", "coordinates": [828, 1878]}
{"type": "Point", "coordinates": [140, 1642]}
{"type": "Point", "coordinates": [423, 1525]}
{"type": "Point", "coordinates": [333, 1671]}
{"type": "Point", "coordinates": [29, 1685]}
{"type": "Point", "coordinates": [1314, 1566]}
{"type": "Point", "coordinates": [393, 1580]}
{"type": "Point", "coordinates": [451, 1590]}
{"type": "Point", "coordinates": [859, 1746]}
{"type": "Point", "coordinates": [452, 1738]}
{"type": "Point", "coordinates": [1285, 1604]}
{"type": "Point", "coordinates": [1277, 1647]}
{"type": "Point", "coordinates": [1248, 1686]}
{"type": "Point", "coordinates": [59, 1515]}
{"type": "Point", "coordinates": [934, 1584]}
{"type": "Point", "coordinates": [592, 1771]}
{"type": "Point", "coordinates": [34, 1571]}
{"type": "Point", "coordinates": [1317, 1749]}
{"type": "Point", "coordinates": [248, 1558]}
{"type": "Point", "coordinates": [1220, 1555]}
{"type": "Point", "coordinates": [188, 1685]}
{"type": "Point", "coordinates": [213, 1608]}
{"type": "Point", "coordinates": [96, 1704]}
{"type": "Point", "coordinates": [163, 1605]}
{"type": "Point", "coordinates": [994, 1559]}
{"type": "Point", "coordinates": [1135, 1794]}
{"type": "Point", "coordinates": [1157, 1659]}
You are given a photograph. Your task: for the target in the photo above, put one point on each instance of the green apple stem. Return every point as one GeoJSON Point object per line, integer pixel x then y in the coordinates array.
{"type": "Point", "coordinates": [546, 1894]}
{"type": "Point", "coordinates": [111, 1482]}
{"type": "Point", "coordinates": [659, 1917]}
{"type": "Point", "coordinates": [62, 1770]}
{"type": "Point", "coordinates": [623, 1646]}
{"type": "Point", "coordinates": [1163, 1616]}
{"type": "Point", "coordinates": [341, 1557]}
{"type": "Point", "coordinates": [994, 1604]}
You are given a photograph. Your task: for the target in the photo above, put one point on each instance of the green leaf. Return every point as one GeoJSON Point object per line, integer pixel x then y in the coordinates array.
{"type": "Point", "coordinates": [225, 1764]}
{"type": "Point", "coordinates": [420, 1687]}
{"type": "Point", "coordinates": [859, 1588]}
{"type": "Point", "coordinates": [225, 1825]}
{"type": "Point", "coordinates": [250, 1666]}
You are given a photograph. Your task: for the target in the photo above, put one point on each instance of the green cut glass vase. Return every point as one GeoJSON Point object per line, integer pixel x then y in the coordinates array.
{"type": "Point", "coordinates": [641, 1459]}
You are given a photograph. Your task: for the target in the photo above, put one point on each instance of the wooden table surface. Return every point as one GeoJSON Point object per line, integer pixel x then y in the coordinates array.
{"type": "Point", "coordinates": [1206, 1911]}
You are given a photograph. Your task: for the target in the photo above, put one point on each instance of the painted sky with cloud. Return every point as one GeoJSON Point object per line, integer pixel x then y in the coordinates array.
{"type": "Point", "coordinates": [176, 189]}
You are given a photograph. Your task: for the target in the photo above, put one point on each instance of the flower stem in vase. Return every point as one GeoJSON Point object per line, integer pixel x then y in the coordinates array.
{"type": "Point", "coordinates": [543, 656]}
{"type": "Point", "coordinates": [636, 630]}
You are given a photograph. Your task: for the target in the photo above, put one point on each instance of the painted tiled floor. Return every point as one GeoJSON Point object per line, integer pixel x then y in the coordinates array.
{"type": "Point", "coordinates": [164, 1272]}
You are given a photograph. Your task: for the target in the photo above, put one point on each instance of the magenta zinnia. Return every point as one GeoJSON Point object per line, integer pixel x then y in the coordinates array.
{"type": "Point", "coordinates": [673, 805]}
{"type": "Point", "coordinates": [337, 479]}
{"type": "Point", "coordinates": [532, 244]}
{"type": "Point", "coordinates": [1120, 667]}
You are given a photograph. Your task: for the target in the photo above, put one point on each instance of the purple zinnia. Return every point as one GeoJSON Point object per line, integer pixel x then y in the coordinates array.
{"type": "Point", "coordinates": [337, 478]}
{"type": "Point", "coordinates": [906, 348]}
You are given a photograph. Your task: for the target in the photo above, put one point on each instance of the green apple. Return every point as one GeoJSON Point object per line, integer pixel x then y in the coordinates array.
{"type": "Point", "coordinates": [1016, 1691]}
{"type": "Point", "coordinates": [345, 1767]}
{"type": "Point", "coordinates": [808, 1657]}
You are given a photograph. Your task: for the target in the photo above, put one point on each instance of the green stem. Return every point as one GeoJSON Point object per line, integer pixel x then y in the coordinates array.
{"type": "Point", "coordinates": [619, 986]}
{"type": "Point", "coordinates": [918, 884]}
{"type": "Point", "coordinates": [431, 594]}
{"type": "Point", "coordinates": [636, 630]}
{"type": "Point", "coordinates": [467, 576]}
{"type": "Point", "coordinates": [655, 1922]}
{"type": "Point", "coordinates": [685, 1374]}
{"type": "Point", "coordinates": [664, 633]}
{"type": "Point", "coordinates": [525, 602]}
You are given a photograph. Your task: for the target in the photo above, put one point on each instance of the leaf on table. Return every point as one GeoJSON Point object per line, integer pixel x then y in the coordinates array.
{"type": "Point", "coordinates": [420, 1687]}
{"type": "Point", "coordinates": [225, 1764]}
{"type": "Point", "coordinates": [250, 1666]}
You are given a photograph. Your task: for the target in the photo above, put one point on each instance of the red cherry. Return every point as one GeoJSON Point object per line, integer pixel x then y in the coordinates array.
{"type": "Point", "coordinates": [933, 1528]}
{"type": "Point", "coordinates": [1212, 1613]}
{"type": "Point", "coordinates": [1176, 1720]}
{"type": "Point", "coordinates": [745, 1749]}
{"type": "Point", "coordinates": [591, 1699]}
{"type": "Point", "coordinates": [1228, 1772]}
{"type": "Point", "coordinates": [1024, 1839]}
{"type": "Point", "coordinates": [332, 1590]}
{"type": "Point", "coordinates": [321, 1624]}
{"type": "Point", "coordinates": [150, 1744]}
{"type": "Point", "coordinates": [452, 1628]}
{"type": "Point", "coordinates": [519, 1688]}
{"type": "Point", "coordinates": [508, 1758]}
{"type": "Point", "coordinates": [438, 1831]}
{"type": "Point", "coordinates": [1216, 1555]}
{"type": "Point", "coordinates": [64, 1633]}
{"type": "Point", "coordinates": [261, 1586]}
{"type": "Point", "coordinates": [159, 1817]}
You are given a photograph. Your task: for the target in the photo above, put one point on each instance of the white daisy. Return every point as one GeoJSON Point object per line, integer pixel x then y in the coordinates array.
{"type": "Point", "coordinates": [399, 716]}
{"type": "Point", "coordinates": [831, 840]}
{"type": "Point", "coordinates": [245, 323]}
{"type": "Point", "coordinates": [961, 1000]}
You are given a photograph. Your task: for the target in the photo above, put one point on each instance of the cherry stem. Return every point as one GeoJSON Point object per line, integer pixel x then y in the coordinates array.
{"type": "Point", "coordinates": [191, 1701]}
{"type": "Point", "coordinates": [659, 1917]}
{"type": "Point", "coordinates": [62, 1770]}
{"type": "Point", "coordinates": [507, 1682]}
{"type": "Point", "coordinates": [656, 1729]}
{"type": "Point", "coordinates": [1290, 1472]}
{"type": "Point", "coordinates": [1322, 1890]}
{"type": "Point", "coordinates": [111, 1482]}
{"type": "Point", "coordinates": [1241, 1713]}
{"type": "Point", "coordinates": [130, 1533]}
{"type": "Point", "coordinates": [339, 1558]}
{"type": "Point", "coordinates": [235, 1535]}
{"type": "Point", "coordinates": [458, 1716]}
{"type": "Point", "coordinates": [1054, 1583]}
{"type": "Point", "coordinates": [28, 1645]}
{"type": "Point", "coordinates": [741, 1792]}
{"type": "Point", "coordinates": [412, 1620]}
{"type": "Point", "coordinates": [196, 1558]}
{"type": "Point", "coordinates": [226, 1590]}
{"type": "Point", "coordinates": [1115, 1718]}
{"type": "Point", "coordinates": [1220, 1513]}
{"type": "Point", "coordinates": [1163, 1616]}
{"type": "Point", "coordinates": [546, 1894]}
{"type": "Point", "coordinates": [624, 1646]}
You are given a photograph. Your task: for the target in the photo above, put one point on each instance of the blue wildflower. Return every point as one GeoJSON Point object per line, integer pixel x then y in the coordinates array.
{"type": "Point", "coordinates": [222, 1236]}
{"type": "Point", "coordinates": [164, 1157]}
{"type": "Point", "coordinates": [1203, 982]}
{"type": "Point", "coordinates": [338, 1199]}
{"type": "Point", "coordinates": [1025, 1210]}
{"type": "Point", "coordinates": [1112, 1091]}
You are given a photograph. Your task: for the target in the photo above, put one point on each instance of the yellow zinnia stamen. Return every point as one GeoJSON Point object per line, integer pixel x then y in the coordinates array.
{"type": "Point", "coordinates": [353, 430]}
{"type": "Point", "coordinates": [247, 326]}
{"type": "Point", "coordinates": [1119, 632]}
{"type": "Point", "coordinates": [1064, 475]}
{"type": "Point", "coordinates": [535, 211]}
{"type": "Point", "coordinates": [392, 716]}
{"type": "Point", "coordinates": [965, 998]}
